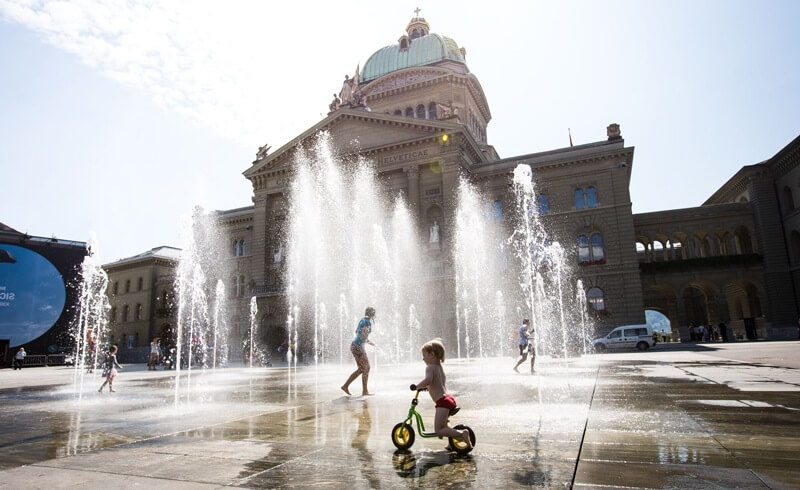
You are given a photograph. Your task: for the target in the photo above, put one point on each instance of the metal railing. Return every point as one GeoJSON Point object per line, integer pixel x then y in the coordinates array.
{"type": "Point", "coordinates": [32, 360]}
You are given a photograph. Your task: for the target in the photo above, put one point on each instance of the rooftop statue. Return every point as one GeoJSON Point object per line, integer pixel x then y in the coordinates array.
{"type": "Point", "coordinates": [262, 151]}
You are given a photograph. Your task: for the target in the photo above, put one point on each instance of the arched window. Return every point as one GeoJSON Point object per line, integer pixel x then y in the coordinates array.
{"type": "Point", "coordinates": [234, 287]}
{"type": "Point", "coordinates": [591, 197]}
{"type": "Point", "coordinates": [125, 313]}
{"type": "Point", "coordinates": [594, 296]}
{"type": "Point", "coordinates": [580, 203]}
{"type": "Point", "coordinates": [420, 111]}
{"type": "Point", "coordinates": [127, 285]}
{"type": "Point", "coordinates": [788, 200]}
{"type": "Point", "coordinates": [743, 243]}
{"type": "Point", "coordinates": [137, 312]}
{"type": "Point", "coordinates": [544, 204]}
{"type": "Point", "coordinates": [398, 112]}
{"type": "Point", "coordinates": [409, 112]}
{"type": "Point", "coordinates": [584, 256]}
{"type": "Point", "coordinates": [140, 284]}
{"type": "Point", "coordinates": [241, 286]}
{"type": "Point", "coordinates": [242, 247]}
{"type": "Point", "coordinates": [432, 110]}
{"type": "Point", "coordinates": [236, 248]}
{"type": "Point", "coordinates": [593, 254]}
{"type": "Point", "coordinates": [598, 254]}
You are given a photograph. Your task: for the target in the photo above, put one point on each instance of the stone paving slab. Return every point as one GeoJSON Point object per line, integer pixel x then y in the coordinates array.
{"type": "Point", "coordinates": [647, 420]}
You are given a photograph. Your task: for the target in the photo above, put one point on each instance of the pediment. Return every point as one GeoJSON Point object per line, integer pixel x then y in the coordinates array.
{"type": "Point", "coordinates": [354, 132]}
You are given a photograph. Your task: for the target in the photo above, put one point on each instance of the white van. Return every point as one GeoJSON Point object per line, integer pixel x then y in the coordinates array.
{"type": "Point", "coordinates": [626, 337]}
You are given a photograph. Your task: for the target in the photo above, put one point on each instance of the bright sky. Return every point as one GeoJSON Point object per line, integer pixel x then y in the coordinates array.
{"type": "Point", "coordinates": [118, 116]}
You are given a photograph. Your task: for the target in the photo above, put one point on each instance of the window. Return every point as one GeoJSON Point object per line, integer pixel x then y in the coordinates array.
{"type": "Point", "coordinates": [241, 286]}
{"type": "Point", "coordinates": [137, 313]}
{"type": "Point", "coordinates": [420, 111]}
{"type": "Point", "coordinates": [432, 110]}
{"type": "Point", "coordinates": [409, 112]}
{"type": "Point", "coordinates": [140, 284]}
{"type": "Point", "coordinates": [585, 198]}
{"type": "Point", "coordinates": [594, 254]}
{"type": "Point", "coordinates": [498, 210]}
{"type": "Point", "coordinates": [398, 112]}
{"type": "Point", "coordinates": [598, 254]}
{"type": "Point", "coordinates": [615, 334]}
{"type": "Point", "coordinates": [594, 296]}
{"type": "Point", "coordinates": [591, 197]}
{"type": "Point", "coordinates": [580, 203]}
{"type": "Point", "coordinates": [544, 204]}
{"type": "Point", "coordinates": [127, 285]}
{"type": "Point", "coordinates": [242, 247]}
{"type": "Point", "coordinates": [125, 313]}
{"type": "Point", "coordinates": [113, 318]}
{"type": "Point", "coordinates": [635, 332]}
{"type": "Point", "coordinates": [116, 287]}
{"type": "Point", "coordinates": [236, 248]}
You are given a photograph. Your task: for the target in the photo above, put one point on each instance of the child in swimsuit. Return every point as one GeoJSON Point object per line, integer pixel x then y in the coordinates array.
{"type": "Point", "coordinates": [435, 381]}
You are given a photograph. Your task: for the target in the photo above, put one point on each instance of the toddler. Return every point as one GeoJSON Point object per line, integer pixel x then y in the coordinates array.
{"type": "Point", "coordinates": [436, 383]}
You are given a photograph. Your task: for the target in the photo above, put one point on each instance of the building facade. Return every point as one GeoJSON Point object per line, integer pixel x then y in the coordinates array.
{"type": "Point", "coordinates": [141, 295]}
{"type": "Point", "coordinates": [421, 116]}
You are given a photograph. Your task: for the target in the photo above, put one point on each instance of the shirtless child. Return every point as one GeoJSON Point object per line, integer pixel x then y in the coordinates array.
{"type": "Point", "coordinates": [436, 383]}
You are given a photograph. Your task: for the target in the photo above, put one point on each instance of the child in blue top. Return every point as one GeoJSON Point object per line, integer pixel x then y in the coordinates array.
{"type": "Point", "coordinates": [357, 349]}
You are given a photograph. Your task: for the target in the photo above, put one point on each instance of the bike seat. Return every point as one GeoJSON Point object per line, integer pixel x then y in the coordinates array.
{"type": "Point", "coordinates": [454, 410]}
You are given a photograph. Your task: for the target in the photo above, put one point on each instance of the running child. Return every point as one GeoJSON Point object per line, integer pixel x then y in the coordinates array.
{"type": "Point", "coordinates": [109, 371]}
{"type": "Point", "coordinates": [436, 382]}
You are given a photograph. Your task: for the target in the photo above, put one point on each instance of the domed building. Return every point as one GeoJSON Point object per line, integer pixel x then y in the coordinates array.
{"type": "Point", "coordinates": [422, 117]}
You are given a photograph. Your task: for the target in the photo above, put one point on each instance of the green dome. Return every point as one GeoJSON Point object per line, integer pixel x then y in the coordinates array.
{"type": "Point", "coordinates": [426, 50]}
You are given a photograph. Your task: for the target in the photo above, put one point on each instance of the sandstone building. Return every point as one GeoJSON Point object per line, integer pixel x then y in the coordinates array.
{"type": "Point", "coordinates": [418, 112]}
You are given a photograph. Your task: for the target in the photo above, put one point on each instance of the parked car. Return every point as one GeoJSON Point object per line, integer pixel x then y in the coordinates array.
{"type": "Point", "coordinates": [626, 337]}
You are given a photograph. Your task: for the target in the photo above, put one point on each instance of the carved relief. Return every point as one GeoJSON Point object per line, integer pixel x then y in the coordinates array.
{"type": "Point", "coordinates": [404, 79]}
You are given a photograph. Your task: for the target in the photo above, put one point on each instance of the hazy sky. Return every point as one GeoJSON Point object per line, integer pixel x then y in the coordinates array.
{"type": "Point", "coordinates": [118, 116]}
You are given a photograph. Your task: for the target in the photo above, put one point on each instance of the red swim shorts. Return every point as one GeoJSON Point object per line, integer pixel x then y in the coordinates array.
{"type": "Point", "coordinates": [447, 402]}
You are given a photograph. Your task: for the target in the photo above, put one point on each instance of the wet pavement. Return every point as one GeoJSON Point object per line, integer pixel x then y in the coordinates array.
{"type": "Point", "coordinates": [708, 417]}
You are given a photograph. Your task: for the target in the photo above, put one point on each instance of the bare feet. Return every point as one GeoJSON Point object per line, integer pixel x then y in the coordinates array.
{"type": "Point", "coordinates": [516, 370]}
{"type": "Point", "coordinates": [344, 388]}
{"type": "Point", "coordinates": [465, 436]}
{"type": "Point", "coordinates": [100, 390]}
{"type": "Point", "coordinates": [449, 448]}
{"type": "Point", "coordinates": [367, 394]}
{"type": "Point", "coordinates": [112, 391]}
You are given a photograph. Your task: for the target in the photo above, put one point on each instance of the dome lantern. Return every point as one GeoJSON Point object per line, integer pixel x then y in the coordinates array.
{"type": "Point", "coordinates": [418, 27]}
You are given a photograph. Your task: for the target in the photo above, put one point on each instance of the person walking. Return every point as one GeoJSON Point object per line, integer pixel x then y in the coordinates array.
{"type": "Point", "coordinates": [524, 336]}
{"type": "Point", "coordinates": [19, 358]}
{"type": "Point", "coordinates": [363, 330]}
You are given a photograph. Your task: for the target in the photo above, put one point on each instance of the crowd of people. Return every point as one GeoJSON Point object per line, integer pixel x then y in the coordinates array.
{"type": "Point", "coordinates": [708, 333]}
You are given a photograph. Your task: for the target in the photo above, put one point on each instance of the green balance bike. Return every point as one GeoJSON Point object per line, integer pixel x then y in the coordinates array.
{"type": "Point", "coordinates": [403, 433]}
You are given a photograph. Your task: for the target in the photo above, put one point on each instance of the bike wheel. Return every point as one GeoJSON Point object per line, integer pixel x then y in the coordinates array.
{"type": "Point", "coordinates": [460, 445]}
{"type": "Point", "coordinates": [403, 436]}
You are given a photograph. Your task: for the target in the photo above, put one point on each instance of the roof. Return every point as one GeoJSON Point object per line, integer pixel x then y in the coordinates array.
{"type": "Point", "coordinates": [162, 252]}
{"type": "Point", "coordinates": [426, 50]}
{"type": "Point", "coordinates": [6, 228]}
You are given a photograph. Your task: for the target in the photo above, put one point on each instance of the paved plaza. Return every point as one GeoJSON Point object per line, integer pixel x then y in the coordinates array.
{"type": "Point", "coordinates": [708, 416]}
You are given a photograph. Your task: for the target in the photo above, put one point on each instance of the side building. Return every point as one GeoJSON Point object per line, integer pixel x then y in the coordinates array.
{"type": "Point", "coordinates": [141, 293]}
